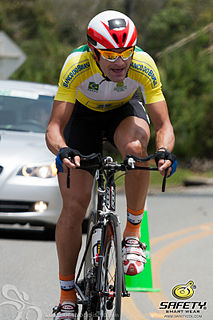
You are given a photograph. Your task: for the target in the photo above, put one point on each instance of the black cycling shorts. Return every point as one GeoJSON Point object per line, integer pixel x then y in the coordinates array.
{"type": "Point", "coordinates": [86, 128]}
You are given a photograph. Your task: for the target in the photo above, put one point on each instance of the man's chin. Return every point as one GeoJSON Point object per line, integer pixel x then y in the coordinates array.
{"type": "Point", "coordinates": [116, 77]}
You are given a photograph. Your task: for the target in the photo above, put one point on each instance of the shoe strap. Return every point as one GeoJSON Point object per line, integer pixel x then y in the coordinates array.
{"type": "Point", "coordinates": [69, 307]}
{"type": "Point", "coordinates": [133, 242]}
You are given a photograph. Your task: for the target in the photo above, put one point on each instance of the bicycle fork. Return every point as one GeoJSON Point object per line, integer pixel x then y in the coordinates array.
{"type": "Point", "coordinates": [101, 269]}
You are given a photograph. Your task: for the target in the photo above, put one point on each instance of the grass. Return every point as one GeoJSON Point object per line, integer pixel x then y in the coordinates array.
{"type": "Point", "coordinates": [176, 180]}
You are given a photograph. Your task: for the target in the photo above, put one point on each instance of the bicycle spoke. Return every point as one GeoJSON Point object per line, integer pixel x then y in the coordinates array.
{"type": "Point", "coordinates": [110, 301]}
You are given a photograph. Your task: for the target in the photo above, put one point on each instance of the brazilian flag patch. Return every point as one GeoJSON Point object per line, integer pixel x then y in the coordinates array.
{"type": "Point", "coordinates": [93, 86]}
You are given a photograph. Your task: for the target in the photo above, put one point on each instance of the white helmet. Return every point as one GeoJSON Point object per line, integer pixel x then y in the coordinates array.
{"type": "Point", "coordinates": [110, 30]}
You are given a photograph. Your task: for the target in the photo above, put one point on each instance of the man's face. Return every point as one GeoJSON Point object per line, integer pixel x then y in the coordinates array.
{"type": "Point", "coordinates": [116, 71]}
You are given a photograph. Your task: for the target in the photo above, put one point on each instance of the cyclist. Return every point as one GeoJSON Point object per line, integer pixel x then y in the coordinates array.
{"type": "Point", "coordinates": [97, 94]}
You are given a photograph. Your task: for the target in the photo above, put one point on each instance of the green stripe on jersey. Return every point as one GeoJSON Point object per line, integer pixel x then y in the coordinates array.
{"type": "Point", "coordinates": [137, 49]}
{"type": "Point", "coordinates": [82, 48]}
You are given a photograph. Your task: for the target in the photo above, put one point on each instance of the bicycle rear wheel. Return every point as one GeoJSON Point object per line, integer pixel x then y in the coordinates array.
{"type": "Point", "coordinates": [111, 273]}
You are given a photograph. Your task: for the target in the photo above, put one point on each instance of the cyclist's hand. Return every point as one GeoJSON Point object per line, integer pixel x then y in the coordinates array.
{"type": "Point", "coordinates": [165, 160]}
{"type": "Point", "coordinates": [163, 165]}
{"type": "Point", "coordinates": [68, 157]}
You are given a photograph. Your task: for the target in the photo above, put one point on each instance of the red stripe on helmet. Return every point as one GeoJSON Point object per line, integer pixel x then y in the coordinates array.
{"type": "Point", "coordinates": [132, 40]}
{"type": "Point", "coordinates": [99, 38]}
{"type": "Point", "coordinates": [119, 34]}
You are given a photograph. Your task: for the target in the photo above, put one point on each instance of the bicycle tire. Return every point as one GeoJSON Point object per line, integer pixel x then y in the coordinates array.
{"type": "Point", "coordinates": [112, 272]}
{"type": "Point", "coordinates": [88, 259]}
{"type": "Point", "coordinates": [90, 312]}
{"type": "Point", "coordinates": [92, 219]}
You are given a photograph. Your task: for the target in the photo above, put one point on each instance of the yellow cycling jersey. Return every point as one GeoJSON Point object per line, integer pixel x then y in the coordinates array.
{"type": "Point", "coordinates": [82, 79]}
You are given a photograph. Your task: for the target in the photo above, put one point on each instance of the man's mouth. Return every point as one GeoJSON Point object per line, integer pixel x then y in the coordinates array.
{"type": "Point", "coordinates": [118, 71]}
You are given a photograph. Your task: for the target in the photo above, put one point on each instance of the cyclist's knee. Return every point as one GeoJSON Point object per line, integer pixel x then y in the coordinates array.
{"type": "Point", "coordinates": [74, 210]}
{"type": "Point", "coordinates": [136, 147]}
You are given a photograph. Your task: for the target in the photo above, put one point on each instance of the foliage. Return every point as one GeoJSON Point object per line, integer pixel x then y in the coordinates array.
{"type": "Point", "coordinates": [32, 26]}
{"type": "Point", "coordinates": [176, 20]}
{"type": "Point", "coordinates": [187, 78]}
{"type": "Point", "coordinates": [49, 30]}
{"type": "Point", "coordinates": [186, 73]}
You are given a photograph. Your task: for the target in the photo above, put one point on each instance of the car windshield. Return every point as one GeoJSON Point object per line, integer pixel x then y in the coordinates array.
{"type": "Point", "coordinates": [24, 112]}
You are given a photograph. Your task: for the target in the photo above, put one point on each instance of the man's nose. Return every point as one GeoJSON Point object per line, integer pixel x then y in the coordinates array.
{"type": "Point", "coordinates": [119, 61]}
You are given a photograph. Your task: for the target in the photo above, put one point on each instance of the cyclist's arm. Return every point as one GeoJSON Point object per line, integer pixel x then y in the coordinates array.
{"type": "Point", "coordinates": [165, 138]}
{"type": "Point", "coordinates": [61, 113]}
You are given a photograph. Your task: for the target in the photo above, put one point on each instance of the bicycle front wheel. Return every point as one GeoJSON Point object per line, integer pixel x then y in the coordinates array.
{"type": "Point", "coordinates": [111, 272]}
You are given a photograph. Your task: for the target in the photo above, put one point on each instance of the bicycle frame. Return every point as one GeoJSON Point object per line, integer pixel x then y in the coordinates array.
{"type": "Point", "coordinates": [104, 192]}
{"type": "Point", "coordinates": [95, 283]}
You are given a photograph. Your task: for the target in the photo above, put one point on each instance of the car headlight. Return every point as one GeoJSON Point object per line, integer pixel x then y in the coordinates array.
{"type": "Point", "coordinates": [40, 206]}
{"type": "Point", "coordinates": [44, 171]}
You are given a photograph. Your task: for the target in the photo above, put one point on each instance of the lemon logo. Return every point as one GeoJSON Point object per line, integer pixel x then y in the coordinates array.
{"type": "Point", "coordinates": [184, 291]}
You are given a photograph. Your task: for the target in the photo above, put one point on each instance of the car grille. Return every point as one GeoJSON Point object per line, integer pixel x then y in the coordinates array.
{"type": "Point", "coordinates": [1, 169]}
{"type": "Point", "coordinates": [16, 206]}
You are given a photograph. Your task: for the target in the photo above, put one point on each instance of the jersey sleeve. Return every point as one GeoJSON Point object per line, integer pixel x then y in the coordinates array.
{"type": "Point", "coordinates": [65, 95]}
{"type": "Point", "coordinates": [71, 77]}
{"type": "Point", "coordinates": [144, 70]}
{"type": "Point", "coordinates": [65, 91]}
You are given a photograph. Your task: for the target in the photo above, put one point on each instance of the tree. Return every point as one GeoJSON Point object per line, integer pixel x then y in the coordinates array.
{"type": "Point", "coordinates": [177, 19]}
{"type": "Point", "coordinates": [187, 78]}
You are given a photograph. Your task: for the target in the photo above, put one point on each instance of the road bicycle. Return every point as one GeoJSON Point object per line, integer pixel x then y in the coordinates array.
{"type": "Point", "coordinates": [100, 281]}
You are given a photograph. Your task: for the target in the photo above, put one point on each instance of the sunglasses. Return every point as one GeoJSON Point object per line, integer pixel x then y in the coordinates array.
{"type": "Point", "coordinates": [112, 56]}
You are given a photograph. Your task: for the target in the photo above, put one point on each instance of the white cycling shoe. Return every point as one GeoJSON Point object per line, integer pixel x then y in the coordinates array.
{"type": "Point", "coordinates": [134, 257]}
{"type": "Point", "coordinates": [66, 311]}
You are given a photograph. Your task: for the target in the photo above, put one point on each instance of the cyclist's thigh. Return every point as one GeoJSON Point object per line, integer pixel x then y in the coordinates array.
{"type": "Point", "coordinates": [83, 131]}
{"type": "Point", "coordinates": [133, 128]}
{"type": "Point", "coordinates": [128, 122]}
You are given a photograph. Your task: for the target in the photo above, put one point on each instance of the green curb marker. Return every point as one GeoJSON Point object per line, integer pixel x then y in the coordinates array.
{"type": "Point", "coordinates": [143, 281]}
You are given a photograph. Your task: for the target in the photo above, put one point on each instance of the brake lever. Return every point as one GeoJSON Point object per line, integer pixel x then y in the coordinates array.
{"type": "Point", "coordinates": [164, 180]}
{"type": "Point", "coordinates": [131, 163]}
{"type": "Point", "coordinates": [68, 177]}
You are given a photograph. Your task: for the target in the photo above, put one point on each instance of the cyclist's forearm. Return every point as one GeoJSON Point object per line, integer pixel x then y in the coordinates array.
{"type": "Point", "coordinates": [54, 140]}
{"type": "Point", "coordinates": [60, 114]}
{"type": "Point", "coordinates": [165, 137]}
{"type": "Point", "coordinates": [158, 112]}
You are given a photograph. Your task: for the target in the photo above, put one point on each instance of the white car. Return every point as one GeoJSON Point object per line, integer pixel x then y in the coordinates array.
{"type": "Point", "coordinates": [29, 191]}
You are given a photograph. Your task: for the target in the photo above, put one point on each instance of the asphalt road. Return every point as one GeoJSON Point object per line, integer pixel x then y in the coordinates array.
{"type": "Point", "coordinates": [181, 237]}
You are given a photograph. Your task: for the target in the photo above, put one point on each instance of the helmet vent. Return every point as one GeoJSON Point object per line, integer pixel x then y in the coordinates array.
{"type": "Point", "coordinates": [115, 38]}
{"type": "Point", "coordinates": [91, 40]}
{"type": "Point", "coordinates": [124, 38]}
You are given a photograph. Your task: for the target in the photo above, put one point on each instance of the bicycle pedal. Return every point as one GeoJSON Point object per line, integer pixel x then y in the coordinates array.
{"type": "Point", "coordinates": [125, 294]}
